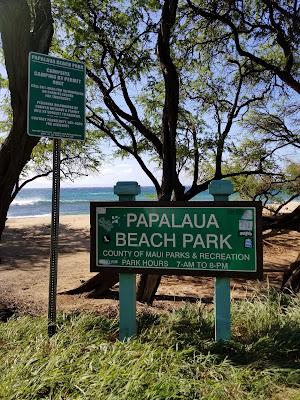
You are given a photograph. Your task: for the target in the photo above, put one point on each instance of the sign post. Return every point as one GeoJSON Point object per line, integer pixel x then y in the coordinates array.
{"type": "Point", "coordinates": [221, 239]}
{"type": "Point", "coordinates": [54, 239]}
{"type": "Point", "coordinates": [221, 191]}
{"type": "Point", "coordinates": [56, 109]}
{"type": "Point", "coordinates": [127, 281]}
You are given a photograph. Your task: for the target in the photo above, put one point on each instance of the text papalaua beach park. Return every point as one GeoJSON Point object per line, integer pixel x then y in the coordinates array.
{"type": "Point", "coordinates": [157, 239]}
{"type": "Point", "coordinates": [189, 238]}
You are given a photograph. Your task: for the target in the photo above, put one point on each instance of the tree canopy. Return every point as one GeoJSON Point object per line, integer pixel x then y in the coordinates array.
{"type": "Point", "coordinates": [168, 86]}
{"type": "Point", "coordinates": [265, 32]}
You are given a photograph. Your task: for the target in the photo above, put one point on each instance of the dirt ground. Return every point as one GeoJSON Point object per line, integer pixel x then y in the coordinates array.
{"type": "Point", "coordinates": [24, 269]}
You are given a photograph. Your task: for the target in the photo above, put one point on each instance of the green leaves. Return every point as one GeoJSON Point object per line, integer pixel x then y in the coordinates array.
{"type": "Point", "coordinates": [77, 158]}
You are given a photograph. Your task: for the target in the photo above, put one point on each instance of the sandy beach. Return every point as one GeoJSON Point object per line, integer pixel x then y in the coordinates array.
{"type": "Point", "coordinates": [24, 269]}
{"type": "Point", "coordinates": [291, 206]}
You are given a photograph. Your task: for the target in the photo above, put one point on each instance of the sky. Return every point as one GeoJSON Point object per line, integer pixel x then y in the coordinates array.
{"type": "Point", "coordinates": [109, 174]}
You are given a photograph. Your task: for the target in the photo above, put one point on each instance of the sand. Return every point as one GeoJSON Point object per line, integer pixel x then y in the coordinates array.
{"type": "Point", "coordinates": [291, 206]}
{"type": "Point", "coordinates": [24, 269]}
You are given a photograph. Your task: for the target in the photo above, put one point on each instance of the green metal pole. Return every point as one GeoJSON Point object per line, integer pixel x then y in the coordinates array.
{"type": "Point", "coordinates": [127, 288]}
{"type": "Point", "coordinates": [221, 191]}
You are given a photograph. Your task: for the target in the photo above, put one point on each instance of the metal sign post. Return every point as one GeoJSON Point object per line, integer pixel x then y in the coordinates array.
{"type": "Point", "coordinates": [56, 109]}
{"type": "Point", "coordinates": [221, 190]}
{"type": "Point", "coordinates": [54, 238]}
{"type": "Point", "coordinates": [127, 289]}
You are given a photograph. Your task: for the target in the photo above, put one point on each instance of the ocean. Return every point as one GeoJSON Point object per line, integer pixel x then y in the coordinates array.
{"type": "Point", "coordinates": [32, 202]}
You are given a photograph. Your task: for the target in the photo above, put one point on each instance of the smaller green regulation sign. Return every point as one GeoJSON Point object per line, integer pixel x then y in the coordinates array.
{"type": "Point", "coordinates": [215, 239]}
{"type": "Point", "coordinates": [56, 97]}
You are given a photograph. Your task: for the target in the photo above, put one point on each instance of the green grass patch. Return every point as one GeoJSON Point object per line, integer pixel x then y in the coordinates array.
{"type": "Point", "coordinates": [173, 357]}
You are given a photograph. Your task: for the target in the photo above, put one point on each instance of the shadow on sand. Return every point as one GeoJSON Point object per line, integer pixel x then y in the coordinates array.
{"type": "Point", "coordinates": [32, 244]}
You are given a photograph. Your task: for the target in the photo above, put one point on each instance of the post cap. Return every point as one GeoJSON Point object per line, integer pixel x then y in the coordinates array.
{"type": "Point", "coordinates": [220, 187]}
{"type": "Point", "coordinates": [128, 188]}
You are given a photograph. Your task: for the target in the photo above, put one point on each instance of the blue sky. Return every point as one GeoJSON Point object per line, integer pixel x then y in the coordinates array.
{"type": "Point", "coordinates": [109, 174]}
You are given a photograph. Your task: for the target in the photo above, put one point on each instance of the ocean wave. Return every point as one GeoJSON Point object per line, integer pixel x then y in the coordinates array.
{"type": "Point", "coordinates": [31, 202]}
{"type": "Point", "coordinates": [28, 216]}
{"type": "Point", "coordinates": [26, 202]}
{"type": "Point", "coordinates": [64, 201]}
{"type": "Point", "coordinates": [101, 193]}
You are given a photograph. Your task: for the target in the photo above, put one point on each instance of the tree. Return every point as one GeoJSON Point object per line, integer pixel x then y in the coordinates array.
{"type": "Point", "coordinates": [78, 159]}
{"type": "Point", "coordinates": [273, 135]}
{"type": "Point", "coordinates": [154, 86]}
{"type": "Point", "coordinates": [265, 32]}
{"type": "Point", "coordinates": [24, 26]}
{"type": "Point", "coordinates": [195, 86]}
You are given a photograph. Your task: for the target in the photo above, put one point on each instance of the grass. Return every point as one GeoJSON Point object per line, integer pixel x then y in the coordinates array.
{"type": "Point", "coordinates": [173, 357]}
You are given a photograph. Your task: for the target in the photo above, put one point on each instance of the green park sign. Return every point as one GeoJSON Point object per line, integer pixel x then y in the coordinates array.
{"type": "Point", "coordinates": [195, 238]}
{"type": "Point", "coordinates": [56, 97]}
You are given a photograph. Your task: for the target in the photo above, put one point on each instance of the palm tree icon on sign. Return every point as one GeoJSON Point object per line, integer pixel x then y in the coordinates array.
{"type": "Point", "coordinates": [106, 238]}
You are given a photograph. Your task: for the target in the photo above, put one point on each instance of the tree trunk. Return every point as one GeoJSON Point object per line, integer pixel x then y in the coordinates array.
{"type": "Point", "coordinates": [291, 278]}
{"type": "Point", "coordinates": [289, 222]}
{"type": "Point", "coordinates": [21, 33]}
{"type": "Point", "coordinates": [97, 286]}
{"type": "Point", "coordinates": [149, 283]}
{"type": "Point", "coordinates": [147, 287]}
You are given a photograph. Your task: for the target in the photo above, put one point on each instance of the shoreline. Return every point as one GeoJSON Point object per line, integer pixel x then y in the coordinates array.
{"type": "Point", "coordinates": [78, 221]}
{"type": "Point", "coordinates": [286, 209]}
{"type": "Point", "coordinates": [24, 271]}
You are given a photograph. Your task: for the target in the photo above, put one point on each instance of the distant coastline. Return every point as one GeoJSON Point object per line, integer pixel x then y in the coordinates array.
{"type": "Point", "coordinates": [36, 202]}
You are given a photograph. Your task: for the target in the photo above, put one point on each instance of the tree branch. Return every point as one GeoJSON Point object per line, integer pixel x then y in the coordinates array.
{"type": "Point", "coordinates": [99, 123]}
{"type": "Point", "coordinates": [284, 75]}
{"type": "Point", "coordinates": [136, 122]}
